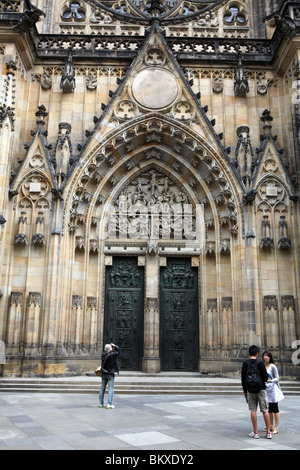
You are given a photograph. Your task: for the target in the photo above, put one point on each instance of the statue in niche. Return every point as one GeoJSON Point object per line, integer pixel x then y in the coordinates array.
{"type": "Point", "coordinates": [241, 85]}
{"type": "Point", "coordinates": [68, 83]}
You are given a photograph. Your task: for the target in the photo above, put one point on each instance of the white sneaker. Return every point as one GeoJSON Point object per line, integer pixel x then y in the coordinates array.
{"type": "Point", "coordinates": [110, 407]}
{"type": "Point", "coordinates": [269, 436]}
{"type": "Point", "coordinates": [253, 434]}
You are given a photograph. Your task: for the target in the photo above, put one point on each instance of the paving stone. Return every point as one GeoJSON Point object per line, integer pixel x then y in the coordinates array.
{"type": "Point", "coordinates": [141, 422]}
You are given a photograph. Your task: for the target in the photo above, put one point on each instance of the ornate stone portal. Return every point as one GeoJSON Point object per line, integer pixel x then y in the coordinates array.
{"type": "Point", "coordinates": [152, 207]}
{"type": "Point", "coordinates": [149, 183]}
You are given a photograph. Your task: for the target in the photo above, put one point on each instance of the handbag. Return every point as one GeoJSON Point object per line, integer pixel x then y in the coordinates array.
{"type": "Point", "coordinates": [98, 372]}
{"type": "Point", "coordinates": [278, 392]}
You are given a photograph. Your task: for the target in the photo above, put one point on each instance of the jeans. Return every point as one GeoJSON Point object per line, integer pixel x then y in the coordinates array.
{"type": "Point", "coordinates": [107, 379]}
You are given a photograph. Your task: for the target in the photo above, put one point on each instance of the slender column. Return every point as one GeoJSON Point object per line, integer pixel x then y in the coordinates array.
{"type": "Point", "coordinates": [77, 306]}
{"type": "Point", "coordinates": [227, 325]}
{"type": "Point", "coordinates": [151, 360]}
{"type": "Point", "coordinates": [91, 320]}
{"type": "Point", "coordinates": [271, 321]}
{"type": "Point", "coordinates": [288, 323]}
{"type": "Point", "coordinates": [212, 326]}
{"type": "Point", "coordinates": [15, 323]}
{"type": "Point", "coordinates": [32, 323]}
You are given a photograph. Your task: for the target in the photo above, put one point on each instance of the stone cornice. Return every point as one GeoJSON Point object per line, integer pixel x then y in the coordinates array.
{"type": "Point", "coordinates": [36, 48]}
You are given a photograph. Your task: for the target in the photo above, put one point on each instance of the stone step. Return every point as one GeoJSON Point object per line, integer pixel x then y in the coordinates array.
{"type": "Point", "coordinates": [139, 384]}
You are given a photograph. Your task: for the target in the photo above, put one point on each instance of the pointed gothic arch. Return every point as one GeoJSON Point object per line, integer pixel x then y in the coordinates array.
{"type": "Point", "coordinates": [205, 174]}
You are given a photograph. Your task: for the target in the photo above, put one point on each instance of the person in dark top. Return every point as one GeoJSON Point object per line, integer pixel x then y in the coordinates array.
{"type": "Point", "coordinates": [109, 368]}
{"type": "Point", "coordinates": [260, 396]}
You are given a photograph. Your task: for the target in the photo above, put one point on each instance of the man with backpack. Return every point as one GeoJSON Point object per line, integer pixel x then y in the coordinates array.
{"type": "Point", "coordinates": [254, 377]}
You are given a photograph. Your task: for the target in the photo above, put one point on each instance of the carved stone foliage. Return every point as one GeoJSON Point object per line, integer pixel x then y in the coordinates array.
{"type": "Point", "coordinates": [270, 302]}
{"type": "Point", "coordinates": [287, 302]}
{"type": "Point", "coordinates": [35, 298]}
{"type": "Point", "coordinates": [16, 299]}
{"type": "Point", "coordinates": [77, 301]}
{"type": "Point", "coordinates": [212, 304]}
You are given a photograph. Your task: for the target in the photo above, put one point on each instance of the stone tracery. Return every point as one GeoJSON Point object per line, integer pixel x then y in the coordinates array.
{"type": "Point", "coordinates": [131, 160]}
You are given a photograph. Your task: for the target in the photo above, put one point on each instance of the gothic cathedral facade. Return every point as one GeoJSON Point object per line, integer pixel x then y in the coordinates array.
{"type": "Point", "coordinates": [149, 184]}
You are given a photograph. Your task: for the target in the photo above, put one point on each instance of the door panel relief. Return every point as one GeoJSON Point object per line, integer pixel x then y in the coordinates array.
{"type": "Point", "coordinates": [179, 316]}
{"type": "Point", "coordinates": [123, 323]}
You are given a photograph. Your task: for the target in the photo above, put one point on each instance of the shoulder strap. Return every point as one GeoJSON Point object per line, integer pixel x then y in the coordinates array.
{"type": "Point", "coordinates": [105, 358]}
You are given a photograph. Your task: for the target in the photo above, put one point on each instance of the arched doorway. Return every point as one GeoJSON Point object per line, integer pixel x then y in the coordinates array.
{"type": "Point", "coordinates": [179, 319]}
{"type": "Point", "coordinates": [124, 310]}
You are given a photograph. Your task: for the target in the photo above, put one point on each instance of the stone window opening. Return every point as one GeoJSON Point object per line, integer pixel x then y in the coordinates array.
{"type": "Point", "coordinates": [74, 12]}
{"type": "Point", "coordinates": [235, 16]}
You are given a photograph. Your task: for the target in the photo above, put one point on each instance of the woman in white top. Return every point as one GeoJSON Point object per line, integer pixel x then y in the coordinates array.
{"type": "Point", "coordinates": [274, 392]}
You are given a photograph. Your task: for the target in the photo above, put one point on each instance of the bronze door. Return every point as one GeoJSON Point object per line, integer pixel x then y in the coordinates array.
{"type": "Point", "coordinates": [124, 310]}
{"type": "Point", "coordinates": [179, 325]}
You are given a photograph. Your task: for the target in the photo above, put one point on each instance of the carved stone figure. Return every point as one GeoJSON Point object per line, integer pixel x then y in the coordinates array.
{"type": "Point", "coordinates": [241, 85]}
{"type": "Point", "coordinates": [68, 83]}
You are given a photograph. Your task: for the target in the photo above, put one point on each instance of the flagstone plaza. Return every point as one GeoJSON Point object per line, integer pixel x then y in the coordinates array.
{"type": "Point", "coordinates": [178, 424]}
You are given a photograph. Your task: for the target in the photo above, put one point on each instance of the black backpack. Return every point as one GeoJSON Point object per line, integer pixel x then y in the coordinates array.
{"type": "Point", "coordinates": [254, 382]}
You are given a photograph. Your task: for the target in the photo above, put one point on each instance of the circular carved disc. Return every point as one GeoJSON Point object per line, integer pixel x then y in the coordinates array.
{"type": "Point", "coordinates": [155, 88]}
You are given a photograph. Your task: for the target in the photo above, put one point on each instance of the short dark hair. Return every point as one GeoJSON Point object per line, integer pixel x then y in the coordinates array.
{"type": "Point", "coordinates": [253, 350]}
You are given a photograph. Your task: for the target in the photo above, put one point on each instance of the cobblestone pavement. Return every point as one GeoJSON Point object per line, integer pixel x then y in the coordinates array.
{"type": "Point", "coordinates": [61, 421]}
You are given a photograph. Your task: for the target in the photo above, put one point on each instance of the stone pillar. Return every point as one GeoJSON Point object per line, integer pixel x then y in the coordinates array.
{"type": "Point", "coordinates": [21, 238]}
{"type": "Point", "coordinates": [271, 322]}
{"type": "Point", "coordinates": [38, 238]}
{"type": "Point", "coordinates": [212, 327]}
{"type": "Point", "coordinates": [288, 323]}
{"type": "Point", "coordinates": [91, 323]}
{"type": "Point", "coordinates": [227, 324]}
{"type": "Point", "coordinates": [15, 324]}
{"type": "Point", "coordinates": [33, 313]}
{"type": "Point", "coordinates": [54, 316]}
{"type": "Point", "coordinates": [151, 359]}
{"type": "Point", "coordinates": [76, 330]}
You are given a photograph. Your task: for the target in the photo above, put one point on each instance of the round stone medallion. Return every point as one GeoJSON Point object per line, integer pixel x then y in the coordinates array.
{"type": "Point", "coordinates": [155, 88]}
